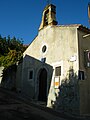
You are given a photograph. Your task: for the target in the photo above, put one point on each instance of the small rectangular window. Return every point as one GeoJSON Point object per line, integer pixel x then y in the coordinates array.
{"type": "Point", "coordinates": [87, 58]}
{"type": "Point", "coordinates": [30, 74]}
{"type": "Point", "coordinates": [58, 71]}
{"type": "Point", "coordinates": [81, 75]}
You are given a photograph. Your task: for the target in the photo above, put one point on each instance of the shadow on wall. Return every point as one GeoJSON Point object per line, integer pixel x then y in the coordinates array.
{"type": "Point", "coordinates": [67, 99]}
{"type": "Point", "coordinates": [26, 77]}
{"type": "Point", "coordinates": [9, 78]}
{"type": "Point", "coordinates": [31, 76]}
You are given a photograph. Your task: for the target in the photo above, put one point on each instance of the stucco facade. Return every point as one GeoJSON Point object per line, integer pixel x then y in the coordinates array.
{"type": "Point", "coordinates": [53, 68]}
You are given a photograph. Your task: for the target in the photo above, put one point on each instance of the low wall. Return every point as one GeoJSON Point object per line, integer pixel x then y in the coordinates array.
{"type": "Point", "coordinates": [1, 71]}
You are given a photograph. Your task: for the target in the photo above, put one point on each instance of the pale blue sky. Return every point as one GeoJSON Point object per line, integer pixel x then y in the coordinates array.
{"type": "Point", "coordinates": [21, 18]}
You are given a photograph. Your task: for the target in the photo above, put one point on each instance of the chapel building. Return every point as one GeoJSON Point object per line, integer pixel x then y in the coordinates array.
{"type": "Point", "coordinates": [56, 65]}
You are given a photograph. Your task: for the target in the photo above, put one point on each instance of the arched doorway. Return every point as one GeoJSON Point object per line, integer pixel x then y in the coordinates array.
{"type": "Point", "coordinates": [42, 85]}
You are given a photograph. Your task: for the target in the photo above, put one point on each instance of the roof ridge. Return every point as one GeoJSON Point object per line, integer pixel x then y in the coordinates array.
{"type": "Point", "coordinates": [72, 25]}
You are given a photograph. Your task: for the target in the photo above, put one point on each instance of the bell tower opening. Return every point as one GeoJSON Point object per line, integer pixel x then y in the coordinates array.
{"type": "Point", "coordinates": [46, 17]}
{"type": "Point", "coordinates": [49, 16]}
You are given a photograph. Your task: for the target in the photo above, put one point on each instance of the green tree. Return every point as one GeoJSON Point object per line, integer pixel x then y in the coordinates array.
{"type": "Point", "coordinates": [11, 50]}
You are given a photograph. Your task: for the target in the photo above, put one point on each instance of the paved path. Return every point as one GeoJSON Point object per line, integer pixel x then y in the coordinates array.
{"type": "Point", "coordinates": [14, 107]}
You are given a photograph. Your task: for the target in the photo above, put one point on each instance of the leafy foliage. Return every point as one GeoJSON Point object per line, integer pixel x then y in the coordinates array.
{"type": "Point", "coordinates": [11, 50]}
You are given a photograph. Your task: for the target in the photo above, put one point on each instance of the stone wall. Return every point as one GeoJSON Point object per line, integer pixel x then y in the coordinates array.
{"type": "Point", "coordinates": [1, 73]}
